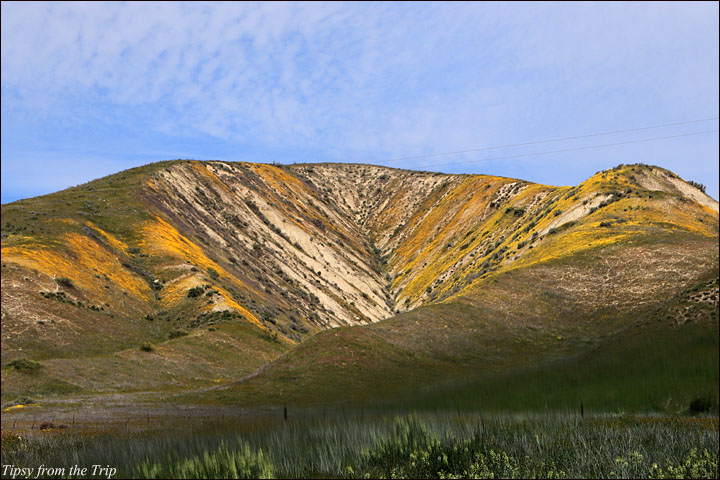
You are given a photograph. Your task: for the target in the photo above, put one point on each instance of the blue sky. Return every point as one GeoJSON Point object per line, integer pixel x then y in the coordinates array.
{"type": "Point", "coordinates": [89, 89]}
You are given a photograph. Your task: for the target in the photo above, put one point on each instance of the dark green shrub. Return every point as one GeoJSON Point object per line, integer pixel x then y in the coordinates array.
{"type": "Point", "coordinates": [213, 273]}
{"type": "Point", "coordinates": [701, 405]}
{"type": "Point", "coordinates": [518, 212]}
{"type": "Point", "coordinates": [697, 185]}
{"type": "Point", "coordinates": [24, 365]}
{"type": "Point", "coordinates": [566, 225]}
{"type": "Point", "coordinates": [177, 333]}
{"type": "Point", "coordinates": [195, 291]}
{"type": "Point", "coordinates": [146, 347]}
{"type": "Point", "coordinates": [64, 282]}
{"type": "Point", "coordinates": [253, 206]}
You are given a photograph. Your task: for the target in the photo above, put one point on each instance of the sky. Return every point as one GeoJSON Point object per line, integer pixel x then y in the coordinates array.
{"type": "Point", "coordinates": [89, 89]}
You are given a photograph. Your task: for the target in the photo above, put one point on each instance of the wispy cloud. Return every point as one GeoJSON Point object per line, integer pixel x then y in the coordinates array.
{"type": "Point", "coordinates": [350, 81]}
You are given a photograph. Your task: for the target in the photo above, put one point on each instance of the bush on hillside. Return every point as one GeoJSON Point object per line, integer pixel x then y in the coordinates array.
{"type": "Point", "coordinates": [64, 282]}
{"type": "Point", "coordinates": [697, 185]}
{"type": "Point", "coordinates": [177, 333]}
{"type": "Point", "coordinates": [195, 291]}
{"type": "Point", "coordinates": [25, 365]}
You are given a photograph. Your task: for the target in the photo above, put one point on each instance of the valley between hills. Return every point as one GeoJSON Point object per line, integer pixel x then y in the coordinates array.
{"type": "Point", "coordinates": [225, 284]}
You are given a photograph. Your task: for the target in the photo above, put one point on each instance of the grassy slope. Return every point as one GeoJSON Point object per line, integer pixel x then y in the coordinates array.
{"type": "Point", "coordinates": [475, 351]}
{"type": "Point", "coordinates": [659, 367]}
{"type": "Point", "coordinates": [656, 367]}
{"type": "Point", "coordinates": [44, 237]}
{"type": "Point", "coordinates": [88, 340]}
{"type": "Point", "coordinates": [213, 356]}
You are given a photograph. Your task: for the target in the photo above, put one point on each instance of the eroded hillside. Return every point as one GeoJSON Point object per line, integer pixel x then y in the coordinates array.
{"type": "Point", "coordinates": [234, 263]}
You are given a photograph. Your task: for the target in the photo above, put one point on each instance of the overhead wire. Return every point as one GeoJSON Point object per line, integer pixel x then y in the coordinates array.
{"type": "Point", "coordinates": [569, 149]}
{"type": "Point", "coordinates": [504, 157]}
{"type": "Point", "coordinates": [536, 142]}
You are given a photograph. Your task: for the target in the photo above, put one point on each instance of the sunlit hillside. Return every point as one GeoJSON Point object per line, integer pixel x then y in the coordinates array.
{"type": "Point", "coordinates": [190, 275]}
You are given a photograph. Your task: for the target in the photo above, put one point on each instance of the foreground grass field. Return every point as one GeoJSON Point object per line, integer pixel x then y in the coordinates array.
{"type": "Point", "coordinates": [358, 444]}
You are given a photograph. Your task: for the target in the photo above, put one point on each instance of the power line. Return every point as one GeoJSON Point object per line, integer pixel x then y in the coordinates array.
{"type": "Point", "coordinates": [134, 188]}
{"type": "Point", "coordinates": [570, 149]}
{"type": "Point", "coordinates": [546, 141]}
{"type": "Point", "coordinates": [589, 147]}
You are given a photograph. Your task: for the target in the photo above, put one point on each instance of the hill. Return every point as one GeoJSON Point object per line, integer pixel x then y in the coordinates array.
{"type": "Point", "coordinates": [220, 269]}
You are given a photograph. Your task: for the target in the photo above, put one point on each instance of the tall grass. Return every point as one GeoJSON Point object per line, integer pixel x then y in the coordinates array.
{"type": "Point", "coordinates": [424, 445]}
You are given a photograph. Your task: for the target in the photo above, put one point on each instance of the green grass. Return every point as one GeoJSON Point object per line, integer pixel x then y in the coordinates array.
{"type": "Point", "coordinates": [231, 350]}
{"type": "Point", "coordinates": [358, 444]}
{"type": "Point", "coordinates": [648, 368]}
{"type": "Point", "coordinates": [462, 357]}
